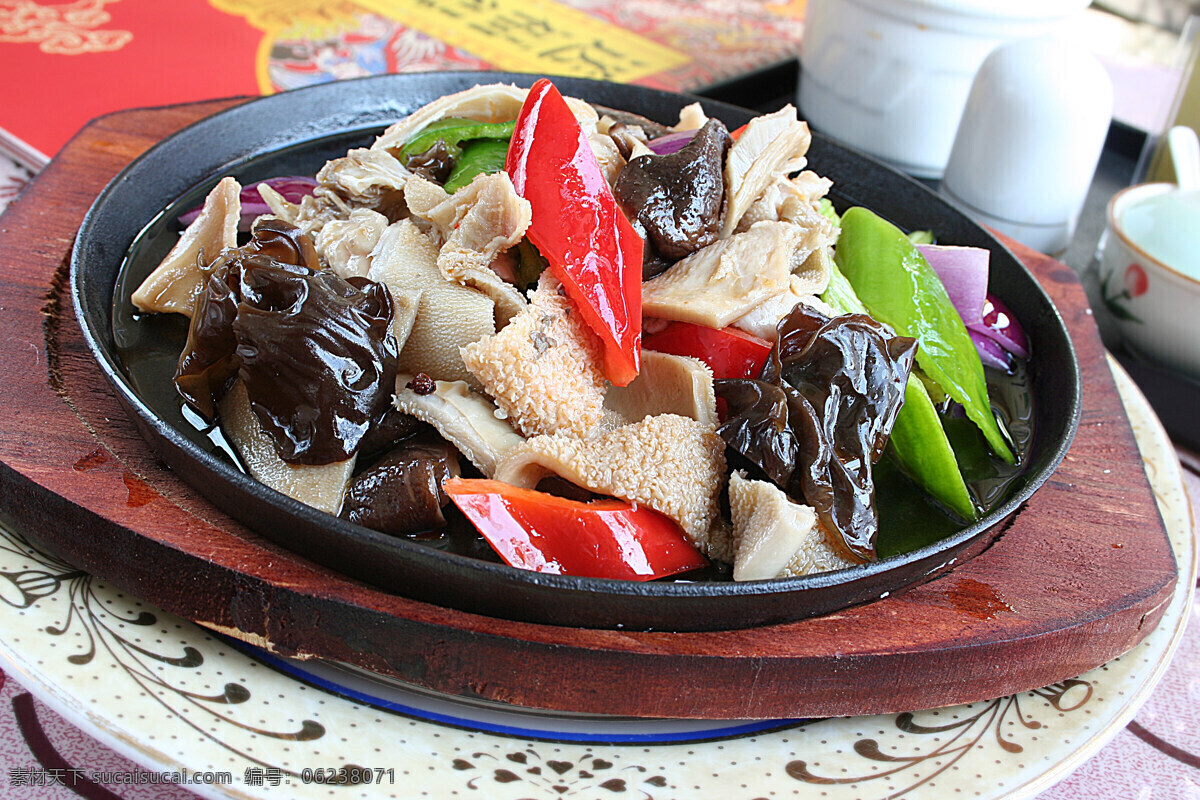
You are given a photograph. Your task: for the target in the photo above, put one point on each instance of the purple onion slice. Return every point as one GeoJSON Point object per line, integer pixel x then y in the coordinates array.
{"type": "Point", "coordinates": [671, 143]}
{"type": "Point", "coordinates": [993, 328]}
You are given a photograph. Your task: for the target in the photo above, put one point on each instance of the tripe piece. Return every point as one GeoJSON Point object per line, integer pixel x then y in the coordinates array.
{"type": "Point", "coordinates": [477, 223]}
{"type": "Point", "coordinates": [772, 145]}
{"type": "Point", "coordinates": [673, 464]}
{"type": "Point", "coordinates": [321, 486]}
{"type": "Point", "coordinates": [543, 368]}
{"type": "Point", "coordinates": [345, 245]}
{"type": "Point", "coordinates": [666, 384]}
{"type": "Point", "coordinates": [177, 281]}
{"type": "Point", "coordinates": [725, 280]}
{"type": "Point", "coordinates": [763, 320]}
{"type": "Point", "coordinates": [466, 419]}
{"type": "Point", "coordinates": [364, 178]}
{"type": "Point", "coordinates": [448, 315]}
{"type": "Point", "coordinates": [775, 537]}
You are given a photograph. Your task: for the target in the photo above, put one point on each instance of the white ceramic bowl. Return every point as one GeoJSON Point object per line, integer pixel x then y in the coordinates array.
{"type": "Point", "coordinates": [891, 77]}
{"type": "Point", "coordinates": [1155, 307]}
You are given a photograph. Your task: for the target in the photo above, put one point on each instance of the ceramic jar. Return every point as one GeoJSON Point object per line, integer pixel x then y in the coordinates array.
{"type": "Point", "coordinates": [1030, 137]}
{"type": "Point", "coordinates": [891, 77]}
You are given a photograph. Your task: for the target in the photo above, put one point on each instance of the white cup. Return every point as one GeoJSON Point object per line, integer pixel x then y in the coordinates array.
{"type": "Point", "coordinates": [1154, 303]}
{"type": "Point", "coordinates": [891, 77]}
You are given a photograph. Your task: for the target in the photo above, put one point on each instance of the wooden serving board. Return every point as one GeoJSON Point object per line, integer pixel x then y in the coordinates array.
{"type": "Point", "coordinates": [1082, 573]}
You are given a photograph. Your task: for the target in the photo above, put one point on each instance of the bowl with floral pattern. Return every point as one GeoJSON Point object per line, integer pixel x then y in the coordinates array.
{"type": "Point", "coordinates": [1150, 274]}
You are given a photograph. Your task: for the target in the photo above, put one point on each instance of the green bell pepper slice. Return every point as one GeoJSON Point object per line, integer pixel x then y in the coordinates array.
{"type": "Point", "coordinates": [454, 131]}
{"type": "Point", "coordinates": [481, 156]}
{"type": "Point", "coordinates": [894, 281]}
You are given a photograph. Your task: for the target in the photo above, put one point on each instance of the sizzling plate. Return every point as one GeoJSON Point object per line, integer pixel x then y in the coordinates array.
{"type": "Point", "coordinates": [296, 132]}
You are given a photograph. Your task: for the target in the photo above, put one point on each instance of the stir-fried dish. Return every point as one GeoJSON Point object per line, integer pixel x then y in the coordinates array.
{"type": "Point", "coordinates": [618, 348]}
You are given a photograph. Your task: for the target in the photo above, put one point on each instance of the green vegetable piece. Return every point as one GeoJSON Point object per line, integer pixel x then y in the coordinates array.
{"type": "Point", "coordinates": [921, 237]}
{"type": "Point", "coordinates": [918, 441]}
{"type": "Point", "coordinates": [970, 450]}
{"type": "Point", "coordinates": [920, 445]}
{"type": "Point", "coordinates": [894, 281]}
{"type": "Point", "coordinates": [429, 135]}
{"type": "Point", "coordinates": [453, 131]}
{"type": "Point", "coordinates": [840, 294]}
{"type": "Point", "coordinates": [479, 157]}
{"type": "Point", "coordinates": [934, 391]}
{"type": "Point", "coordinates": [825, 206]}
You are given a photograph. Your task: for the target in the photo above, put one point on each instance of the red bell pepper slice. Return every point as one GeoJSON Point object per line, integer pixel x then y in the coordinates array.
{"type": "Point", "coordinates": [578, 227]}
{"type": "Point", "coordinates": [601, 539]}
{"type": "Point", "coordinates": [731, 353]}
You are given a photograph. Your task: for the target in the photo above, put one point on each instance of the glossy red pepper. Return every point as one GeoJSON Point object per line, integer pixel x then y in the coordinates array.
{"type": "Point", "coordinates": [601, 539]}
{"type": "Point", "coordinates": [578, 227]}
{"type": "Point", "coordinates": [731, 353]}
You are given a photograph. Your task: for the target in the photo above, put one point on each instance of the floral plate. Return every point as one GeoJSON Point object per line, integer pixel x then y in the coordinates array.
{"type": "Point", "coordinates": [172, 696]}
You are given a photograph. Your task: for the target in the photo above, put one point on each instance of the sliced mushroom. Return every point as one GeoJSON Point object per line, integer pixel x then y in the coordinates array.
{"type": "Point", "coordinates": [811, 186]}
{"type": "Point", "coordinates": [309, 215]}
{"type": "Point", "coordinates": [365, 178]}
{"type": "Point", "coordinates": [465, 418]}
{"type": "Point", "coordinates": [345, 246]}
{"type": "Point", "coordinates": [763, 320]}
{"type": "Point", "coordinates": [792, 200]}
{"type": "Point", "coordinates": [610, 116]}
{"type": "Point", "coordinates": [691, 117]}
{"type": "Point", "coordinates": [322, 486]}
{"type": "Point", "coordinates": [402, 493]}
{"type": "Point", "coordinates": [677, 198]}
{"type": "Point", "coordinates": [775, 537]}
{"type": "Point", "coordinates": [177, 281]}
{"type": "Point", "coordinates": [670, 463]}
{"type": "Point", "coordinates": [629, 138]}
